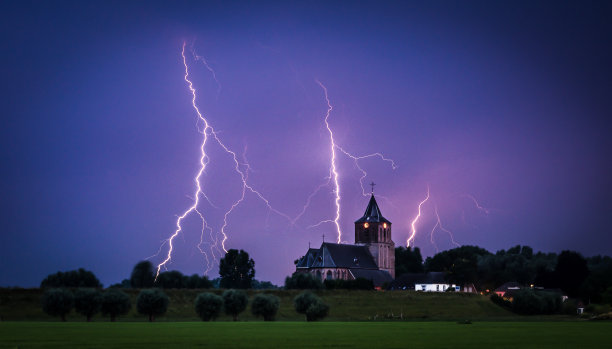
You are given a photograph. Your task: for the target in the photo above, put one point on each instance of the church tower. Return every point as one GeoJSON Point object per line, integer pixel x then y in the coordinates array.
{"type": "Point", "coordinates": [374, 231]}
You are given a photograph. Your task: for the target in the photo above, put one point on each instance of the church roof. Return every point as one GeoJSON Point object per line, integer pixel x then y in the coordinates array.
{"type": "Point", "coordinates": [378, 277]}
{"type": "Point", "coordinates": [309, 258]}
{"type": "Point", "coordinates": [372, 213]}
{"type": "Point", "coordinates": [343, 256]}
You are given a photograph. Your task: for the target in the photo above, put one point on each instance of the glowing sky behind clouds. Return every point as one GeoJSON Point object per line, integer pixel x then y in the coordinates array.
{"type": "Point", "coordinates": [509, 103]}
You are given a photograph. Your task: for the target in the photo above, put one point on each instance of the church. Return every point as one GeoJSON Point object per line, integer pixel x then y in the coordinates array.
{"type": "Point", "coordinates": [371, 257]}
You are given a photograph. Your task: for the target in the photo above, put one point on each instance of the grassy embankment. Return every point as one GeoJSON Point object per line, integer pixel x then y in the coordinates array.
{"type": "Point", "coordinates": [24, 304]}
{"type": "Point", "coordinates": [584, 334]}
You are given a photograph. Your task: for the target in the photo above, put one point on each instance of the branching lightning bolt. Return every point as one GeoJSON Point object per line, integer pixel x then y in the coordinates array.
{"type": "Point", "coordinates": [203, 162]}
{"type": "Point", "coordinates": [333, 172]}
{"type": "Point", "coordinates": [414, 221]}
{"type": "Point", "coordinates": [206, 132]}
{"type": "Point", "coordinates": [439, 225]}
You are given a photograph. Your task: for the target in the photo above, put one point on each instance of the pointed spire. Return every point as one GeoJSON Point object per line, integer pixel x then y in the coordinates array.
{"type": "Point", "coordinates": [372, 213]}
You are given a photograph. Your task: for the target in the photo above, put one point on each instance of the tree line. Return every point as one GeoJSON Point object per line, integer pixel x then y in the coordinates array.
{"type": "Point", "coordinates": [589, 279]}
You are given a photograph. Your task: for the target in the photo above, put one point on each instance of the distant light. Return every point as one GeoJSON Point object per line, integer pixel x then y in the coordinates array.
{"type": "Point", "coordinates": [366, 225]}
{"type": "Point", "coordinates": [385, 225]}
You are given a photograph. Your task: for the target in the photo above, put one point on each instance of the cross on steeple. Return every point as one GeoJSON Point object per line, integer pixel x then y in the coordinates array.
{"type": "Point", "coordinates": [323, 236]}
{"type": "Point", "coordinates": [372, 185]}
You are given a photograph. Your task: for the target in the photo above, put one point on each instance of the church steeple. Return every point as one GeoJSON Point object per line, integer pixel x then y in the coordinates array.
{"type": "Point", "coordinates": [374, 231]}
{"type": "Point", "coordinates": [372, 213]}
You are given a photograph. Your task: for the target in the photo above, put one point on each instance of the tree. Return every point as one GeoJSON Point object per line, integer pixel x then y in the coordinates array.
{"type": "Point", "coordinates": [87, 302]}
{"type": "Point", "coordinates": [142, 275]}
{"type": "Point", "coordinates": [530, 302]}
{"type": "Point", "coordinates": [570, 272]}
{"type": "Point", "coordinates": [208, 306]}
{"type": "Point", "coordinates": [114, 303]}
{"type": "Point", "coordinates": [152, 302]}
{"type": "Point", "coordinates": [236, 269]}
{"type": "Point", "coordinates": [234, 302]}
{"type": "Point", "coordinates": [265, 305]}
{"type": "Point", "coordinates": [197, 281]}
{"type": "Point", "coordinates": [408, 260]}
{"type": "Point", "coordinates": [310, 305]}
{"type": "Point", "coordinates": [303, 281]}
{"type": "Point", "coordinates": [57, 302]}
{"type": "Point", "coordinates": [171, 279]}
{"type": "Point", "coordinates": [73, 278]}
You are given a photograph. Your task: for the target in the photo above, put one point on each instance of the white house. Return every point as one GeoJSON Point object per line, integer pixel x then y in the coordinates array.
{"type": "Point", "coordinates": [427, 282]}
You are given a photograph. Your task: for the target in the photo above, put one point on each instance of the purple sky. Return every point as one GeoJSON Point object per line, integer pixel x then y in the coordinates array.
{"type": "Point", "coordinates": [506, 102]}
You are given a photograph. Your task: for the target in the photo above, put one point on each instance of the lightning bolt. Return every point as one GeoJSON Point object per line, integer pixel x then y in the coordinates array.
{"type": "Point", "coordinates": [481, 208]}
{"type": "Point", "coordinates": [333, 172]}
{"type": "Point", "coordinates": [208, 131]}
{"type": "Point", "coordinates": [439, 225]}
{"type": "Point", "coordinates": [414, 221]}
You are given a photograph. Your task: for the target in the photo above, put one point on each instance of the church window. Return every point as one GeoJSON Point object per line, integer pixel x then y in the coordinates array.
{"type": "Point", "coordinates": [366, 225]}
{"type": "Point", "coordinates": [329, 274]}
{"type": "Point", "coordinates": [385, 225]}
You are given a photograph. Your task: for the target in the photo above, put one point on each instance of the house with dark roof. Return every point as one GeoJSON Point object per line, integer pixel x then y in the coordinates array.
{"type": "Point", "coordinates": [371, 257]}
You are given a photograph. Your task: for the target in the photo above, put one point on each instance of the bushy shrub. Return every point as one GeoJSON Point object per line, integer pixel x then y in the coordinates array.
{"type": "Point", "coordinates": [234, 302]}
{"type": "Point", "coordinates": [208, 306]}
{"type": "Point", "coordinates": [357, 284]}
{"type": "Point", "coordinates": [303, 281]}
{"type": "Point", "coordinates": [87, 302]}
{"type": "Point", "coordinates": [57, 302]}
{"type": "Point", "coordinates": [500, 301]}
{"type": "Point", "coordinates": [530, 302]}
{"type": "Point", "coordinates": [115, 303]}
{"type": "Point", "coordinates": [310, 305]}
{"type": "Point", "coordinates": [152, 303]}
{"type": "Point", "coordinates": [265, 305]}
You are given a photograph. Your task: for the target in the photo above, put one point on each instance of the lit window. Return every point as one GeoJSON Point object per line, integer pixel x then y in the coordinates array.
{"type": "Point", "coordinates": [366, 225]}
{"type": "Point", "coordinates": [385, 225]}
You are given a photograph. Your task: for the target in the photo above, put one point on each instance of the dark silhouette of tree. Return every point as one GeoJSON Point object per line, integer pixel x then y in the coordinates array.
{"type": "Point", "coordinates": [571, 271]}
{"type": "Point", "coordinates": [234, 302]}
{"type": "Point", "coordinates": [172, 279]}
{"type": "Point", "coordinates": [265, 305]}
{"type": "Point", "coordinates": [599, 279]}
{"type": "Point", "coordinates": [208, 306]}
{"type": "Point", "coordinates": [408, 260]}
{"type": "Point", "coordinates": [57, 302]}
{"type": "Point", "coordinates": [310, 305]}
{"type": "Point", "coordinates": [236, 269]}
{"type": "Point", "coordinates": [87, 302]}
{"type": "Point", "coordinates": [530, 302]}
{"type": "Point", "coordinates": [262, 285]}
{"type": "Point", "coordinates": [73, 278]}
{"type": "Point", "coordinates": [152, 302]}
{"type": "Point", "coordinates": [115, 303]}
{"type": "Point", "coordinates": [303, 281]}
{"type": "Point", "coordinates": [460, 264]}
{"type": "Point", "coordinates": [197, 281]}
{"type": "Point", "coordinates": [142, 275]}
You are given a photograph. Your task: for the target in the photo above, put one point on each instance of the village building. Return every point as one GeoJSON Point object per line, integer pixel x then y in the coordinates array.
{"type": "Point", "coordinates": [427, 282]}
{"type": "Point", "coordinates": [371, 257]}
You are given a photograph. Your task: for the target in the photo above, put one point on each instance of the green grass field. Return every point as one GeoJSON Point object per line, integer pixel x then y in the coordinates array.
{"type": "Point", "coordinates": [307, 335]}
